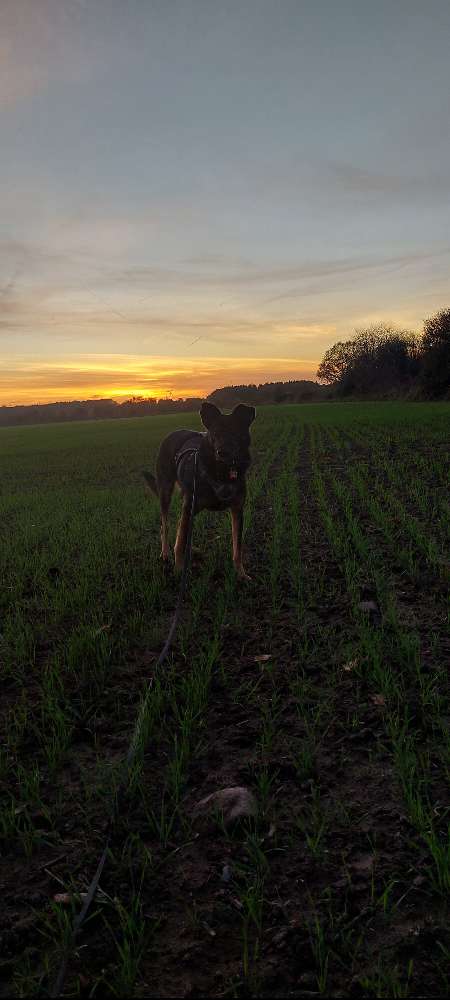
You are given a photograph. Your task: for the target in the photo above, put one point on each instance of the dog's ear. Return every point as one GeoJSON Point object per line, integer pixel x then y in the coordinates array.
{"type": "Point", "coordinates": [245, 415]}
{"type": "Point", "coordinates": [209, 414]}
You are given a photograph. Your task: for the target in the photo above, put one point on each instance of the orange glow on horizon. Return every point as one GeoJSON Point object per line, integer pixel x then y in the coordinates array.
{"type": "Point", "coordinates": [121, 377]}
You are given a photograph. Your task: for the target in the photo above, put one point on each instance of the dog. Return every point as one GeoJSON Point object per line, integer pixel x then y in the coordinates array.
{"type": "Point", "coordinates": [223, 458]}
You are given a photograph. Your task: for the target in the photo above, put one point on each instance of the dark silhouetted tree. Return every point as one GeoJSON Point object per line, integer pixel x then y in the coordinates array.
{"type": "Point", "coordinates": [335, 362]}
{"type": "Point", "coordinates": [435, 360]}
{"type": "Point", "coordinates": [380, 359]}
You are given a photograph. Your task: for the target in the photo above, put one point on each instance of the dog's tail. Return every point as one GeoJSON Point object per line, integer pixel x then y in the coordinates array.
{"type": "Point", "coordinates": [151, 482]}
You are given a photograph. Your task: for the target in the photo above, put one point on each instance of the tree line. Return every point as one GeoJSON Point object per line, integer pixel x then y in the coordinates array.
{"type": "Point", "coordinates": [93, 409]}
{"type": "Point", "coordinates": [142, 406]}
{"type": "Point", "coordinates": [382, 360]}
{"type": "Point", "coordinates": [293, 391]}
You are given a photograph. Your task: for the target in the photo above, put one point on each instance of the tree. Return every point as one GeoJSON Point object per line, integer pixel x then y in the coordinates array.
{"type": "Point", "coordinates": [335, 362]}
{"type": "Point", "coordinates": [380, 358]}
{"type": "Point", "coordinates": [435, 373]}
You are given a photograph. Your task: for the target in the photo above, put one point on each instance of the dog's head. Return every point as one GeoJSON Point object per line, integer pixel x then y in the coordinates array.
{"type": "Point", "coordinates": [229, 437]}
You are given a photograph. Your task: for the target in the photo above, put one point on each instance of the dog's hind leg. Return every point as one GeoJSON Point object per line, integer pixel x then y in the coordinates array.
{"type": "Point", "coordinates": [183, 525]}
{"type": "Point", "coordinates": [165, 496]}
{"type": "Point", "coordinates": [163, 489]}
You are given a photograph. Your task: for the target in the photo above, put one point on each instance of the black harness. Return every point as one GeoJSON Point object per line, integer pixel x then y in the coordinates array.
{"type": "Point", "coordinates": [223, 491]}
{"type": "Point", "coordinates": [186, 449]}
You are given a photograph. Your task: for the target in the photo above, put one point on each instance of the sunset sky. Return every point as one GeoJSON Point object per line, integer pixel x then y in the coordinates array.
{"type": "Point", "coordinates": [203, 192]}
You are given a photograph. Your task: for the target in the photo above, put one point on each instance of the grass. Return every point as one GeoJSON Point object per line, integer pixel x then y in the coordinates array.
{"type": "Point", "coordinates": [322, 686]}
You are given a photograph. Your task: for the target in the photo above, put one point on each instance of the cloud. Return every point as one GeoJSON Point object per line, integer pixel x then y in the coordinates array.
{"type": "Point", "coordinates": [61, 303]}
{"type": "Point", "coordinates": [358, 181]}
{"type": "Point", "coordinates": [250, 277]}
{"type": "Point", "coordinates": [140, 293]}
{"type": "Point", "coordinates": [39, 315]}
{"type": "Point", "coordinates": [11, 282]}
{"type": "Point", "coordinates": [43, 41]}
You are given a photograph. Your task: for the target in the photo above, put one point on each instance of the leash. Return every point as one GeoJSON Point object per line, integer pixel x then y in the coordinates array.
{"type": "Point", "coordinates": [130, 757]}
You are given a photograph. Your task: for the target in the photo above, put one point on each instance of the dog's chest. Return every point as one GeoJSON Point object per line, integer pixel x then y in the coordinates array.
{"type": "Point", "coordinates": [211, 493]}
{"type": "Point", "coordinates": [217, 496]}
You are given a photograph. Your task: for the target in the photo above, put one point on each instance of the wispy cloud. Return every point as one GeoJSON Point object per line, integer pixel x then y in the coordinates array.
{"type": "Point", "coordinates": [137, 285]}
{"type": "Point", "coordinates": [375, 184]}
{"type": "Point", "coordinates": [262, 276]}
{"type": "Point", "coordinates": [194, 309]}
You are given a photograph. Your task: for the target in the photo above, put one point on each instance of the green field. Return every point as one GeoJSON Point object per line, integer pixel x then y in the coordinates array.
{"type": "Point", "coordinates": [322, 686]}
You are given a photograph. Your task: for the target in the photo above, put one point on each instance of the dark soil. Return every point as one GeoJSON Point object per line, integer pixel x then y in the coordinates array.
{"type": "Point", "coordinates": [324, 929]}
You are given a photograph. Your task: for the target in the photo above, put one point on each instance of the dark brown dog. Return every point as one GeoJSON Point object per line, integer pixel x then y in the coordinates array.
{"type": "Point", "coordinates": [223, 458]}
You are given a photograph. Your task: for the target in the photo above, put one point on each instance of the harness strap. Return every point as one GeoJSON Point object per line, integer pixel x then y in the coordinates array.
{"type": "Point", "coordinates": [219, 488]}
{"type": "Point", "coordinates": [185, 451]}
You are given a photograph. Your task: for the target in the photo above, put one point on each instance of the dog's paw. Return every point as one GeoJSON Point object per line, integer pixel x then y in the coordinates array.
{"type": "Point", "coordinates": [242, 575]}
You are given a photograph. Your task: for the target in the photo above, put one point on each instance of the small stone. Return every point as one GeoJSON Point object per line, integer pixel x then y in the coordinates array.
{"type": "Point", "coordinates": [233, 803]}
{"type": "Point", "coordinates": [369, 606]}
{"type": "Point", "coordinates": [226, 873]}
{"type": "Point", "coordinates": [378, 699]}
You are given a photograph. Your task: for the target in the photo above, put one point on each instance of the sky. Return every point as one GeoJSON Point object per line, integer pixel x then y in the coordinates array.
{"type": "Point", "coordinates": [195, 193]}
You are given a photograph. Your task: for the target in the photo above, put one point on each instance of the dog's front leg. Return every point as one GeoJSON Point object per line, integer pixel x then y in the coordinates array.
{"type": "Point", "coordinates": [180, 541]}
{"type": "Point", "coordinates": [237, 524]}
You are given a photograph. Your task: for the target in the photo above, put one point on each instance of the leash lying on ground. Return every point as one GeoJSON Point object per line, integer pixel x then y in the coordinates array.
{"type": "Point", "coordinates": [134, 745]}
